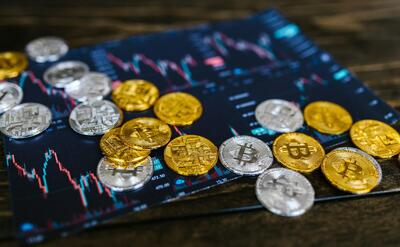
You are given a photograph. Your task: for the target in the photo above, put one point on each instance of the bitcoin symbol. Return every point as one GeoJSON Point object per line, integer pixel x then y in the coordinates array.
{"type": "Point", "coordinates": [135, 95]}
{"type": "Point", "coordinates": [114, 143]}
{"type": "Point", "coordinates": [178, 108]}
{"type": "Point", "coordinates": [387, 140]}
{"type": "Point", "coordinates": [198, 152]}
{"type": "Point", "coordinates": [145, 132]}
{"type": "Point", "coordinates": [246, 154]}
{"type": "Point", "coordinates": [285, 186]}
{"type": "Point", "coordinates": [125, 172]}
{"type": "Point", "coordinates": [298, 150]}
{"type": "Point", "coordinates": [328, 118]}
{"type": "Point", "coordinates": [351, 170]}
{"type": "Point", "coordinates": [141, 89]}
{"type": "Point", "coordinates": [281, 115]}
{"type": "Point", "coordinates": [191, 155]}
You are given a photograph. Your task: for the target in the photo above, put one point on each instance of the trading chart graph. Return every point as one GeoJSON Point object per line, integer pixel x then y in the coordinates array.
{"type": "Point", "coordinates": [81, 185]}
{"type": "Point", "coordinates": [222, 43]}
{"type": "Point", "coordinates": [230, 66]}
{"type": "Point", "coordinates": [58, 101]}
{"type": "Point", "coordinates": [141, 66]}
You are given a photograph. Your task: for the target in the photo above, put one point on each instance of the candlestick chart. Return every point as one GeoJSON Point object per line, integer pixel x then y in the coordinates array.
{"type": "Point", "coordinates": [229, 66]}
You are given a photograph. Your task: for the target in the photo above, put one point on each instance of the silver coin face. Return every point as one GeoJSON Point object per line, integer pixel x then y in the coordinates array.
{"type": "Point", "coordinates": [367, 156]}
{"type": "Point", "coordinates": [46, 49]}
{"type": "Point", "coordinates": [245, 155]}
{"type": "Point", "coordinates": [279, 115]}
{"type": "Point", "coordinates": [25, 120]}
{"type": "Point", "coordinates": [92, 86]}
{"type": "Point", "coordinates": [10, 96]}
{"type": "Point", "coordinates": [64, 73]}
{"type": "Point", "coordinates": [95, 117]}
{"type": "Point", "coordinates": [284, 192]}
{"type": "Point", "coordinates": [126, 179]}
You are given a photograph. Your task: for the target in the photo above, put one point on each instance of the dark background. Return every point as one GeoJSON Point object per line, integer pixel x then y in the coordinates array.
{"type": "Point", "coordinates": [363, 35]}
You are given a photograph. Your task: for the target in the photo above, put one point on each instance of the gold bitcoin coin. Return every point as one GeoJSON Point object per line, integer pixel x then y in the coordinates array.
{"type": "Point", "coordinates": [298, 152]}
{"type": "Point", "coordinates": [191, 155]}
{"type": "Point", "coordinates": [375, 138]}
{"type": "Point", "coordinates": [12, 64]}
{"type": "Point", "coordinates": [178, 109]}
{"type": "Point", "coordinates": [127, 166]}
{"type": "Point", "coordinates": [135, 95]}
{"type": "Point", "coordinates": [327, 117]}
{"type": "Point", "coordinates": [351, 170]}
{"type": "Point", "coordinates": [115, 149]}
{"type": "Point", "coordinates": [144, 132]}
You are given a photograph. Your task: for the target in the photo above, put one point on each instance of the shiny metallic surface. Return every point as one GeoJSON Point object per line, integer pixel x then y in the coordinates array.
{"type": "Point", "coordinates": [92, 86]}
{"type": "Point", "coordinates": [279, 115]}
{"type": "Point", "coordinates": [375, 138]}
{"type": "Point", "coordinates": [64, 73]}
{"type": "Point", "coordinates": [95, 118]}
{"type": "Point", "coordinates": [369, 157]}
{"type": "Point", "coordinates": [46, 49]}
{"type": "Point", "coordinates": [284, 192]}
{"type": "Point", "coordinates": [10, 95]}
{"type": "Point", "coordinates": [25, 120]}
{"type": "Point", "coordinates": [124, 179]}
{"type": "Point", "coordinates": [245, 155]}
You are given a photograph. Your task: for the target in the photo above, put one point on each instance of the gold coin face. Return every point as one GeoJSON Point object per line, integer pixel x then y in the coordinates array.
{"type": "Point", "coordinates": [127, 166]}
{"type": "Point", "coordinates": [117, 151]}
{"type": "Point", "coordinates": [144, 132]}
{"type": "Point", "coordinates": [351, 171]}
{"type": "Point", "coordinates": [191, 155]}
{"type": "Point", "coordinates": [135, 95]}
{"type": "Point", "coordinates": [298, 152]}
{"type": "Point", "coordinates": [12, 64]}
{"type": "Point", "coordinates": [178, 109]}
{"type": "Point", "coordinates": [375, 138]}
{"type": "Point", "coordinates": [327, 117]}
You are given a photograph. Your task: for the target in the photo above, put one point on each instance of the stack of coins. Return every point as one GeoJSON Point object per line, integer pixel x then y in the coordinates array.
{"type": "Point", "coordinates": [127, 152]}
{"type": "Point", "coordinates": [127, 164]}
{"type": "Point", "coordinates": [187, 155]}
{"type": "Point", "coordinates": [127, 149]}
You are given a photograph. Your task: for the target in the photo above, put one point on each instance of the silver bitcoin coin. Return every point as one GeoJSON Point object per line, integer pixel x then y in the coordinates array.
{"type": "Point", "coordinates": [46, 49]}
{"type": "Point", "coordinates": [10, 96]}
{"type": "Point", "coordinates": [61, 74]}
{"type": "Point", "coordinates": [119, 179]}
{"type": "Point", "coordinates": [95, 117]}
{"type": "Point", "coordinates": [92, 86]}
{"type": "Point", "coordinates": [367, 156]}
{"type": "Point", "coordinates": [25, 120]}
{"type": "Point", "coordinates": [284, 192]}
{"type": "Point", "coordinates": [279, 115]}
{"type": "Point", "coordinates": [245, 155]}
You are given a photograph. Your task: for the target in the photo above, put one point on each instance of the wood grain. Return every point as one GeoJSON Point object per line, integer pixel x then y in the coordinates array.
{"type": "Point", "coordinates": [363, 35]}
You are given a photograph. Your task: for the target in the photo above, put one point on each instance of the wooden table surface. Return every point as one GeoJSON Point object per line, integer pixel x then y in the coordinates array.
{"type": "Point", "coordinates": [363, 35]}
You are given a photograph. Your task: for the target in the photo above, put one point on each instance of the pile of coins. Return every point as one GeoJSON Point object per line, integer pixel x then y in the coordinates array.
{"type": "Point", "coordinates": [29, 119]}
{"type": "Point", "coordinates": [127, 162]}
{"type": "Point", "coordinates": [127, 149]}
{"type": "Point", "coordinates": [284, 191]}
